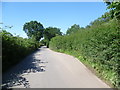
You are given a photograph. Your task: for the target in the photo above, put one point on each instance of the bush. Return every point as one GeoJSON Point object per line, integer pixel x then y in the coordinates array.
{"type": "Point", "coordinates": [99, 47]}
{"type": "Point", "coordinates": [15, 48]}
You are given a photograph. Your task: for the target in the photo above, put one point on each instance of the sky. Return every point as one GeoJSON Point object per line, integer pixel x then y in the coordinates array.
{"type": "Point", "coordinates": [55, 14]}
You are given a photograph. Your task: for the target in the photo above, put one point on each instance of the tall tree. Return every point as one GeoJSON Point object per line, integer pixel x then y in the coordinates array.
{"type": "Point", "coordinates": [51, 32]}
{"type": "Point", "coordinates": [73, 29]}
{"type": "Point", "coordinates": [34, 29]}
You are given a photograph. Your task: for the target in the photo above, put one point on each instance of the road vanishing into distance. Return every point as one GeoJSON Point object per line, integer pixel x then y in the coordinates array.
{"type": "Point", "coordinates": [48, 69]}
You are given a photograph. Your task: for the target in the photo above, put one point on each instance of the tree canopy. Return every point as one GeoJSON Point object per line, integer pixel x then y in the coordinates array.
{"type": "Point", "coordinates": [34, 29]}
{"type": "Point", "coordinates": [49, 33]}
{"type": "Point", "coordinates": [73, 29]}
{"type": "Point", "coordinates": [115, 8]}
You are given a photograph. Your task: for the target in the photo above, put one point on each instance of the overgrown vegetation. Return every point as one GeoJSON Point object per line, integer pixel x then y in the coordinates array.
{"type": "Point", "coordinates": [74, 28]}
{"type": "Point", "coordinates": [15, 48]}
{"type": "Point", "coordinates": [97, 45]}
{"type": "Point", "coordinates": [49, 33]}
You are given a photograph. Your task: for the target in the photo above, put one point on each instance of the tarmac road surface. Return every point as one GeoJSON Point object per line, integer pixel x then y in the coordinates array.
{"type": "Point", "coordinates": [48, 69]}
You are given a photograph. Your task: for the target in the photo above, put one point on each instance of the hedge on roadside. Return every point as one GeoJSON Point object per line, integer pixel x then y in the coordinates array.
{"type": "Point", "coordinates": [98, 45]}
{"type": "Point", "coordinates": [15, 48]}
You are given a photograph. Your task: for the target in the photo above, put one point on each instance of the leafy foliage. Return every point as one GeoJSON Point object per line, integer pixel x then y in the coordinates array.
{"type": "Point", "coordinates": [98, 46]}
{"type": "Point", "coordinates": [115, 8]}
{"type": "Point", "coordinates": [49, 33]}
{"type": "Point", "coordinates": [15, 48]}
{"type": "Point", "coordinates": [34, 29]}
{"type": "Point", "coordinates": [74, 28]}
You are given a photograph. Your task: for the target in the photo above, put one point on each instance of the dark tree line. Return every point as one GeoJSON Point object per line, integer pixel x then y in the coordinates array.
{"type": "Point", "coordinates": [36, 31]}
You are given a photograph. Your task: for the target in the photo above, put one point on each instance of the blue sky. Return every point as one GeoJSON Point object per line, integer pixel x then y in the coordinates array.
{"type": "Point", "coordinates": [56, 14]}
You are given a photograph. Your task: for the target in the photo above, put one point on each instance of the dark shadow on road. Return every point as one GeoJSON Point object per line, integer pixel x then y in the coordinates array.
{"type": "Point", "coordinates": [30, 64]}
